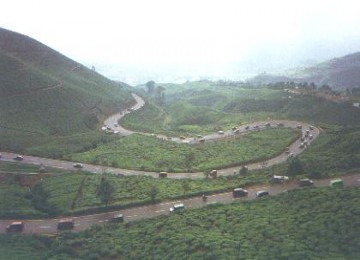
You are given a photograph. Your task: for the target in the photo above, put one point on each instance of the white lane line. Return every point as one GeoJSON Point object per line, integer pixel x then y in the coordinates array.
{"type": "Point", "coordinates": [45, 226]}
{"type": "Point", "coordinates": [131, 216]}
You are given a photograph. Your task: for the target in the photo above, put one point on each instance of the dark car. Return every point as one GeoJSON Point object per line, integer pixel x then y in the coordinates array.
{"type": "Point", "coordinates": [78, 165]}
{"type": "Point", "coordinates": [118, 218]}
{"type": "Point", "coordinates": [17, 226]}
{"type": "Point", "coordinates": [18, 158]}
{"type": "Point", "coordinates": [239, 192]}
{"type": "Point", "coordinates": [262, 193]}
{"type": "Point", "coordinates": [305, 182]}
{"type": "Point", "coordinates": [66, 223]}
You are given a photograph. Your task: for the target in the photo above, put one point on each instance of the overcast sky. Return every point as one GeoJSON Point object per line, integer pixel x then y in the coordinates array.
{"type": "Point", "coordinates": [210, 37]}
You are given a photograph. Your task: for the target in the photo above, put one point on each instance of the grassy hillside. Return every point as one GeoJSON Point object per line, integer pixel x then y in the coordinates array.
{"type": "Point", "coordinates": [319, 223]}
{"type": "Point", "coordinates": [45, 94]}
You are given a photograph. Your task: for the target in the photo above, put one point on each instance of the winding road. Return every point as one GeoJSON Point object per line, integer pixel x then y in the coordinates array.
{"type": "Point", "coordinates": [49, 226]}
{"type": "Point", "coordinates": [112, 123]}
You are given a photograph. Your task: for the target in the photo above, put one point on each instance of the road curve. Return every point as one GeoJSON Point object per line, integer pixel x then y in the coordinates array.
{"type": "Point", "coordinates": [112, 123]}
{"type": "Point", "coordinates": [49, 226]}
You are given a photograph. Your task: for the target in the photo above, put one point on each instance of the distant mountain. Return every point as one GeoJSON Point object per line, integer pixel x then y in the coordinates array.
{"type": "Point", "coordinates": [339, 74]}
{"type": "Point", "coordinates": [44, 93]}
{"type": "Point", "coordinates": [265, 78]}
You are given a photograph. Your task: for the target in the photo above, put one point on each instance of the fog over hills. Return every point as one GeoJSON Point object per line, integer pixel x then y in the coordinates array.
{"type": "Point", "coordinates": [339, 73]}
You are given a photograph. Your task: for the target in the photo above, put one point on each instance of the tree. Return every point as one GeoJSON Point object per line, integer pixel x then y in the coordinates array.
{"type": "Point", "coordinates": [186, 186]}
{"type": "Point", "coordinates": [150, 85]}
{"type": "Point", "coordinates": [105, 190]}
{"type": "Point", "coordinates": [160, 94]}
{"type": "Point", "coordinates": [153, 192]}
{"type": "Point", "coordinates": [243, 170]}
{"type": "Point", "coordinates": [295, 167]}
{"type": "Point", "coordinates": [189, 159]}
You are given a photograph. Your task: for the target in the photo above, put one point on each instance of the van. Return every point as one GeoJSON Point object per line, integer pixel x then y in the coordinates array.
{"type": "Point", "coordinates": [66, 223]}
{"type": "Point", "coordinates": [177, 207]}
{"type": "Point", "coordinates": [337, 182]}
{"type": "Point", "coordinates": [16, 226]}
{"type": "Point", "coordinates": [162, 175]}
{"type": "Point", "coordinates": [279, 179]}
{"type": "Point", "coordinates": [239, 192]}
{"type": "Point", "coordinates": [262, 193]}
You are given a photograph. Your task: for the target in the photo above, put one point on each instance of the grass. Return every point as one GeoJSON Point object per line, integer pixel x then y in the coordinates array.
{"type": "Point", "coordinates": [152, 154]}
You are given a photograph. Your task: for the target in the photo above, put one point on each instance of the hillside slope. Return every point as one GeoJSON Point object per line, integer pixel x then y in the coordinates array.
{"type": "Point", "coordinates": [44, 93]}
{"type": "Point", "coordinates": [339, 73]}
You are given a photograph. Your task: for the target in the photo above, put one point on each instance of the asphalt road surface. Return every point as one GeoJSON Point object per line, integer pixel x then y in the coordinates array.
{"type": "Point", "coordinates": [49, 226]}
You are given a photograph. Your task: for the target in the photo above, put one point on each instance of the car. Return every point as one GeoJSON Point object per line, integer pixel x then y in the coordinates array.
{"type": "Point", "coordinates": [18, 158]}
{"type": "Point", "coordinates": [66, 223]}
{"type": "Point", "coordinates": [305, 182]}
{"type": "Point", "coordinates": [337, 182]}
{"type": "Point", "coordinates": [118, 218]}
{"type": "Point", "coordinates": [236, 131]}
{"type": "Point", "coordinates": [16, 226]}
{"type": "Point", "coordinates": [116, 125]}
{"type": "Point", "coordinates": [299, 126]}
{"type": "Point", "coordinates": [247, 127]}
{"type": "Point", "coordinates": [177, 207]}
{"type": "Point", "coordinates": [267, 124]}
{"type": "Point", "coordinates": [262, 193]}
{"type": "Point", "coordinates": [239, 192]}
{"type": "Point", "coordinates": [78, 165]}
{"type": "Point", "coordinates": [291, 155]}
{"type": "Point", "coordinates": [220, 132]}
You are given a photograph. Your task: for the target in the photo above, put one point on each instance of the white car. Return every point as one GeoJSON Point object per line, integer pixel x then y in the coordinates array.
{"type": "Point", "coordinates": [177, 207]}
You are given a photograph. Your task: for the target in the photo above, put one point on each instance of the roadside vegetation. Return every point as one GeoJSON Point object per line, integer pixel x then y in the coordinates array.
{"type": "Point", "coordinates": [75, 193]}
{"type": "Point", "coordinates": [287, 226]}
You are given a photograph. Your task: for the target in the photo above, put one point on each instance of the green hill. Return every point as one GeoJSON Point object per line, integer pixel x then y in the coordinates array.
{"type": "Point", "coordinates": [45, 94]}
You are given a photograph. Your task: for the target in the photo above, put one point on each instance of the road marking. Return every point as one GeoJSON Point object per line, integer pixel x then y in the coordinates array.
{"type": "Point", "coordinates": [45, 226]}
{"type": "Point", "coordinates": [131, 216]}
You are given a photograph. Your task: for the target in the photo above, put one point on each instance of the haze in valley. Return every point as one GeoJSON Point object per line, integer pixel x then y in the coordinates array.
{"type": "Point", "coordinates": [173, 41]}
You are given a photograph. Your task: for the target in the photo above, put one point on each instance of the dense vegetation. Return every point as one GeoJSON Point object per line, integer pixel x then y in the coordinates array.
{"type": "Point", "coordinates": [45, 96]}
{"type": "Point", "coordinates": [152, 154]}
{"type": "Point", "coordinates": [198, 107]}
{"type": "Point", "coordinates": [310, 223]}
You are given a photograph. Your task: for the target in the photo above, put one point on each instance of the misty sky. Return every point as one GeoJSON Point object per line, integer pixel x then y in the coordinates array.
{"type": "Point", "coordinates": [137, 40]}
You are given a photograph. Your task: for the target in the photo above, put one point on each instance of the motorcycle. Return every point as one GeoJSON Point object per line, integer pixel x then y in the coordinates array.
{"type": "Point", "coordinates": [204, 197]}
